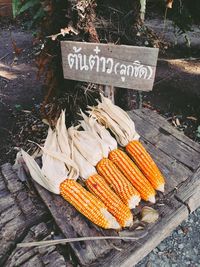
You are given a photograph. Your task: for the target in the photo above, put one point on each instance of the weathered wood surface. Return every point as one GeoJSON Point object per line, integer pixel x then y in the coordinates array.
{"type": "Point", "coordinates": [177, 170]}
{"type": "Point", "coordinates": [171, 215]}
{"type": "Point", "coordinates": [109, 64]}
{"type": "Point", "coordinates": [189, 191]}
{"type": "Point", "coordinates": [19, 210]}
{"type": "Point", "coordinates": [166, 139]}
{"type": "Point", "coordinates": [34, 256]}
{"type": "Point", "coordinates": [181, 197]}
{"type": "Point", "coordinates": [160, 123]}
{"type": "Point", "coordinates": [74, 224]}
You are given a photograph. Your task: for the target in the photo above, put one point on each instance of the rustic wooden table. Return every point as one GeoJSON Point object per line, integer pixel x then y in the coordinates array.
{"type": "Point", "coordinates": [178, 158]}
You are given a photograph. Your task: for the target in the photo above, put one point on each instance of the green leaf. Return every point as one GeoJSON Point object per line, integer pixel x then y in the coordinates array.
{"type": "Point", "coordinates": [39, 14]}
{"type": "Point", "coordinates": [15, 7]}
{"type": "Point", "coordinates": [198, 131]}
{"type": "Point", "coordinates": [27, 5]}
{"type": "Point", "coordinates": [18, 107]}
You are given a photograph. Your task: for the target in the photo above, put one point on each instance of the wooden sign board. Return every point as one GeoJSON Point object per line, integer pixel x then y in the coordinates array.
{"type": "Point", "coordinates": [116, 65]}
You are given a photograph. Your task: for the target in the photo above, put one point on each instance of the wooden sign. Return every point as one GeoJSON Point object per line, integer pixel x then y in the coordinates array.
{"type": "Point", "coordinates": [116, 65]}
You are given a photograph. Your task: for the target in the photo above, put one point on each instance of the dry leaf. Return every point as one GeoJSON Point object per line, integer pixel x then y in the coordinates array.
{"type": "Point", "coordinates": [149, 215]}
{"type": "Point", "coordinates": [169, 3]}
{"type": "Point", "coordinates": [140, 227]}
{"type": "Point", "coordinates": [16, 49]}
{"type": "Point", "coordinates": [192, 118]}
{"type": "Point", "coordinates": [177, 122]}
{"type": "Point", "coordinates": [63, 32]}
{"type": "Point", "coordinates": [53, 37]}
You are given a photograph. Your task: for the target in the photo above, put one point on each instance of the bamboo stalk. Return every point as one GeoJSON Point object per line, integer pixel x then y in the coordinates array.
{"type": "Point", "coordinates": [76, 239]}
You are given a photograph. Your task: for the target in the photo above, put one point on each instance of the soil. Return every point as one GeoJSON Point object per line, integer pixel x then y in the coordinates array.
{"type": "Point", "coordinates": [19, 88]}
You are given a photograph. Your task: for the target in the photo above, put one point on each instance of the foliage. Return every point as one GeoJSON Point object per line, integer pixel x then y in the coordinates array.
{"type": "Point", "coordinates": [34, 7]}
{"type": "Point", "coordinates": [198, 131]}
{"type": "Point", "coordinates": [181, 17]}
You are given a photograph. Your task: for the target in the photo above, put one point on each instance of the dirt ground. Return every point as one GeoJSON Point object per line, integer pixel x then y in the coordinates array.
{"type": "Point", "coordinates": [19, 87]}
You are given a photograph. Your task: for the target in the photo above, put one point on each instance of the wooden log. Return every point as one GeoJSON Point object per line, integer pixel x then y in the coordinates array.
{"type": "Point", "coordinates": [46, 256]}
{"type": "Point", "coordinates": [189, 191]}
{"type": "Point", "coordinates": [74, 224]}
{"type": "Point", "coordinates": [19, 210]}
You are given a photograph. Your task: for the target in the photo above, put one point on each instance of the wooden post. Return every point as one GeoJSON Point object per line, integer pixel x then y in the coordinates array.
{"type": "Point", "coordinates": [109, 91]}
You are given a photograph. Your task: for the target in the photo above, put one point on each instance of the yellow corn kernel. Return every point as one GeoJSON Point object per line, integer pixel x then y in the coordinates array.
{"type": "Point", "coordinates": [118, 182]}
{"type": "Point", "coordinates": [146, 164]}
{"type": "Point", "coordinates": [98, 186]}
{"type": "Point", "coordinates": [87, 204]}
{"type": "Point", "coordinates": [133, 174]}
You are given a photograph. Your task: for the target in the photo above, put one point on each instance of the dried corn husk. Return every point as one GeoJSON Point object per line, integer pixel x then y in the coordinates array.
{"type": "Point", "coordinates": [86, 169]}
{"type": "Point", "coordinates": [91, 148]}
{"type": "Point", "coordinates": [64, 146]}
{"type": "Point", "coordinates": [116, 119]}
{"type": "Point", "coordinates": [56, 165]}
{"type": "Point", "coordinates": [149, 215]}
{"type": "Point", "coordinates": [91, 124]}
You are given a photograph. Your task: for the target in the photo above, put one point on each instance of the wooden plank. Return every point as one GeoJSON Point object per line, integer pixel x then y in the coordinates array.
{"type": "Point", "coordinates": [109, 64]}
{"type": "Point", "coordinates": [38, 257]}
{"type": "Point", "coordinates": [166, 142]}
{"type": "Point", "coordinates": [171, 215]}
{"type": "Point", "coordinates": [189, 191]}
{"type": "Point", "coordinates": [19, 210]}
{"type": "Point", "coordinates": [173, 171]}
{"type": "Point", "coordinates": [74, 224]}
{"type": "Point", "coordinates": [160, 122]}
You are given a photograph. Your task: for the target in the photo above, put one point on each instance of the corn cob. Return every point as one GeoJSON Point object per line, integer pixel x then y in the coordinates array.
{"type": "Point", "coordinates": [146, 164]}
{"type": "Point", "coordinates": [98, 186]}
{"type": "Point", "coordinates": [123, 128]}
{"type": "Point", "coordinates": [118, 182]}
{"type": "Point", "coordinates": [134, 175]}
{"type": "Point", "coordinates": [87, 204]}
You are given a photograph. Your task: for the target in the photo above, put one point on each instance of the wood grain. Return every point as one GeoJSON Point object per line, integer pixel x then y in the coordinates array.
{"type": "Point", "coordinates": [19, 210]}
{"type": "Point", "coordinates": [38, 257]}
{"type": "Point", "coordinates": [178, 149]}
{"type": "Point", "coordinates": [115, 72]}
{"type": "Point", "coordinates": [74, 224]}
{"type": "Point", "coordinates": [160, 123]}
{"type": "Point", "coordinates": [173, 171]}
{"type": "Point", "coordinates": [171, 215]}
{"type": "Point", "coordinates": [189, 191]}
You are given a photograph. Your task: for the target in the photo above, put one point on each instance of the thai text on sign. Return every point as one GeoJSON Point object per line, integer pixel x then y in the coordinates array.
{"type": "Point", "coordinates": [116, 65]}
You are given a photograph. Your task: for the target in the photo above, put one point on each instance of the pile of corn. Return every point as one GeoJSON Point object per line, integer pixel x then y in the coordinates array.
{"type": "Point", "coordinates": [114, 182]}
